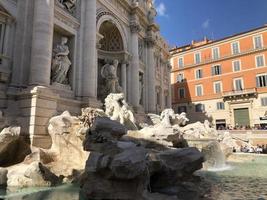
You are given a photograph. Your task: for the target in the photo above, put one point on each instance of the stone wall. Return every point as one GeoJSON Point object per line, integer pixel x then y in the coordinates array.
{"type": "Point", "coordinates": [30, 96]}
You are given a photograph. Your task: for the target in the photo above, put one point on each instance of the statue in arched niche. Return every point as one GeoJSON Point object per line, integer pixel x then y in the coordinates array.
{"type": "Point", "coordinates": [60, 63]}
{"type": "Point", "coordinates": [109, 74]}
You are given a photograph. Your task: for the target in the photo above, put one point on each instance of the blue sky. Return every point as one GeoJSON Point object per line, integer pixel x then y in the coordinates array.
{"type": "Point", "coordinates": [182, 21]}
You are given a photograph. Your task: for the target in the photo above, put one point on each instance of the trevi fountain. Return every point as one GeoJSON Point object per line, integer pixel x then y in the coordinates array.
{"type": "Point", "coordinates": [110, 154]}
{"type": "Point", "coordinates": [114, 152]}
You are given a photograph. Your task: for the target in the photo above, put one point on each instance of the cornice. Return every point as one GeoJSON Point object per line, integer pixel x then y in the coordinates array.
{"type": "Point", "coordinates": [249, 52]}
{"type": "Point", "coordinates": [10, 6]}
{"type": "Point", "coordinates": [66, 18]}
{"type": "Point", "coordinates": [218, 42]}
{"type": "Point", "coordinates": [108, 6]}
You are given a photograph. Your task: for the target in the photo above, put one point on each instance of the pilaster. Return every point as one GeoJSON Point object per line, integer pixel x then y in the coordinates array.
{"type": "Point", "coordinates": [89, 40]}
{"type": "Point", "coordinates": [151, 76]}
{"type": "Point", "coordinates": [42, 39]}
{"type": "Point", "coordinates": [135, 28]}
{"type": "Point", "coordinates": [124, 77]}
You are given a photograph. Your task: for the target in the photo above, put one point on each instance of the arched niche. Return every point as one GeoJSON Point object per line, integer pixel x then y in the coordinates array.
{"type": "Point", "coordinates": [104, 18]}
{"type": "Point", "coordinates": [112, 39]}
{"type": "Point", "coordinates": [112, 45]}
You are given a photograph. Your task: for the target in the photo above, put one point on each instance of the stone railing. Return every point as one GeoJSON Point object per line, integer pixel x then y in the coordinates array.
{"type": "Point", "coordinates": [252, 136]}
{"type": "Point", "coordinates": [251, 91]}
{"type": "Point", "coordinates": [237, 132]}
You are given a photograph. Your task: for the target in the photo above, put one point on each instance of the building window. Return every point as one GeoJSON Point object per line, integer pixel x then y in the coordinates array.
{"type": "Point", "coordinates": [235, 48]}
{"type": "Point", "coordinates": [217, 87]}
{"type": "Point", "coordinates": [197, 58]}
{"type": "Point", "coordinates": [158, 98]}
{"type": "Point", "coordinates": [200, 107]}
{"type": "Point", "coordinates": [181, 93]}
{"type": "Point", "coordinates": [216, 70]}
{"type": "Point", "coordinates": [258, 42]}
{"type": "Point", "coordinates": [215, 53]}
{"type": "Point", "coordinates": [238, 84]}
{"type": "Point", "coordinates": [236, 65]}
{"type": "Point", "coordinates": [199, 74]}
{"type": "Point", "coordinates": [180, 78]}
{"type": "Point", "coordinates": [260, 61]}
{"type": "Point", "coordinates": [2, 34]}
{"type": "Point", "coordinates": [264, 101]}
{"type": "Point", "coordinates": [261, 80]}
{"type": "Point", "coordinates": [181, 109]}
{"type": "Point", "coordinates": [220, 106]}
{"type": "Point", "coordinates": [166, 100]}
{"type": "Point", "coordinates": [180, 62]}
{"type": "Point", "coordinates": [199, 90]}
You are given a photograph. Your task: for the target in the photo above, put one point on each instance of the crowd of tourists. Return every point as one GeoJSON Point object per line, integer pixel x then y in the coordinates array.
{"type": "Point", "coordinates": [237, 127]}
{"type": "Point", "coordinates": [260, 149]}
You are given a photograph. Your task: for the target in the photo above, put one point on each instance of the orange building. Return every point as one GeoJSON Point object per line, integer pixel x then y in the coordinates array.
{"type": "Point", "coordinates": [224, 81]}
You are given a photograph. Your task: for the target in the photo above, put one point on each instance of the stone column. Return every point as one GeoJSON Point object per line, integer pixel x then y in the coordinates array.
{"type": "Point", "coordinates": [89, 80]}
{"type": "Point", "coordinates": [169, 86]}
{"type": "Point", "coordinates": [162, 66]}
{"type": "Point", "coordinates": [124, 77]}
{"type": "Point", "coordinates": [42, 41]}
{"type": "Point", "coordinates": [135, 66]}
{"type": "Point", "coordinates": [151, 77]}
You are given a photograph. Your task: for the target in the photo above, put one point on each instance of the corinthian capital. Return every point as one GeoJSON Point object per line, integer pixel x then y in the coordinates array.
{"type": "Point", "coordinates": [150, 42]}
{"type": "Point", "coordinates": [134, 24]}
{"type": "Point", "coordinates": [150, 39]}
{"type": "Point", "coordinates": [135, 28]}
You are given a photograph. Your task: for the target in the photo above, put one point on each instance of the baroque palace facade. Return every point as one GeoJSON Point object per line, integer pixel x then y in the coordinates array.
{"type": "Point", "coordinates": [224, 81]}
{"type": "Point", "coordinates": [52, 55]}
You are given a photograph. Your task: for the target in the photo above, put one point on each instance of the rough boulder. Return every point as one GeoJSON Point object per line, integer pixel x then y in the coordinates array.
{"type": "Point", "coordinates": [123, 168]}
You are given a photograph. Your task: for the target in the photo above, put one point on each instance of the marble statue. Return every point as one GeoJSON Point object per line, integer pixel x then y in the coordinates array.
{"type": "Point", "coordinates": [61, 62]}
{"type": "Point", "coordinates": [151, 15]}
{"type": "Point", "coordinates": [150, 3]}
{"type": "Point", "coordinates": [117, 109]}
{"type": "Point", "coordinates": [87, 118]}
{"type": "Point", "coordinates": [109, 74]}
{"type": "Point", "coordinates": [135, 2]}
{"type": "Point", "coordinates": [69, 4]}
{"type": "Point", "coordinates": [181, 119]}
{"type": "Point", "coordinates": [169, 118]}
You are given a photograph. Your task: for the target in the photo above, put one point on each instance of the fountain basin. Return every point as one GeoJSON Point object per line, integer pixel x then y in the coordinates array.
{"type": "Point", "coordinates": [245, 179]}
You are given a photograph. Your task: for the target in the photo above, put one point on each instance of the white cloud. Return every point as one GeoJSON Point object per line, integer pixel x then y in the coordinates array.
{"type": "Point", "coordinates": [161, 9]}
{"type": "Point", "coordinates": [206, 24]}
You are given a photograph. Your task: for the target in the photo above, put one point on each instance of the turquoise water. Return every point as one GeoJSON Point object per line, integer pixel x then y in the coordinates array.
{"type": "Point", "coordinates": [246, 180]}
{"type": "Point", "coordinates": [64, 192]}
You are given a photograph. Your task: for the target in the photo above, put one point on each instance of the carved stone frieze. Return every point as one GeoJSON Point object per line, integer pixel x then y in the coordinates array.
{"type": "Point", "coordinates": [66, 19]}
{"type": "Point", "coordinates": [69, 5]}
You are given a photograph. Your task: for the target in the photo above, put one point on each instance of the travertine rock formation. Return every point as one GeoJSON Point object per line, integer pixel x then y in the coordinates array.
{"type": "Point", "coordinates": [122, 164]}
{"type": "Point", "coordinates": [3, 176]}
{"type": "Point", "coordinates": [164, 133]}
{"type": "Point", "coordinates": [121, 168]}
{"type": "Point", "coordinates": [13, 148]}
{"type": "Point", "coordinates": [198, 130]}
{"type": "Point", "coordinates": [32, 175]}
{"type": "Point", "coordinates": [67, 150]}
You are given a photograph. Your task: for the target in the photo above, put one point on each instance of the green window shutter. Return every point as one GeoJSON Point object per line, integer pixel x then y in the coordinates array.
{"type": "Point", "coordinates": [257, 81]}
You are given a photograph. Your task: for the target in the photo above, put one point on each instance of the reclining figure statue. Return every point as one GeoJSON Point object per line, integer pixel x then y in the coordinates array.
{"type": "Point", "coordinates": [169, 118]}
